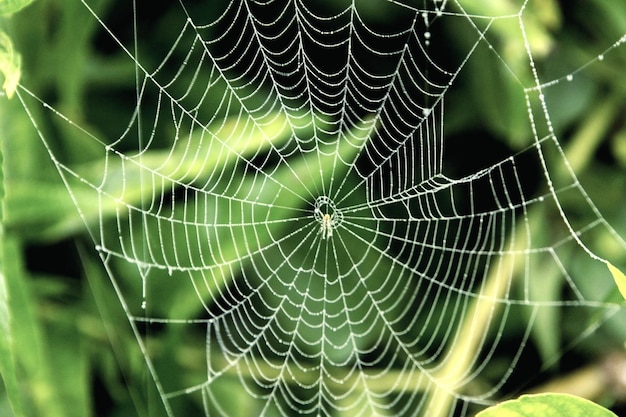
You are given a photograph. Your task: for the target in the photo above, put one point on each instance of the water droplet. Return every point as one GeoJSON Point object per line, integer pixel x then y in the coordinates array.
{"type": "Point", "coordinates": [143, 305]}
{"type": "Point", "coordinates": [601, 57]}
{"type": "Point", "coordinates": [427, 35]}
{"type": "Point", "coordinates": [569, 77]}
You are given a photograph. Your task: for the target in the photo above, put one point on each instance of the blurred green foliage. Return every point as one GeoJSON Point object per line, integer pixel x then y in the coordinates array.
{"type": "Point", "coordinates": [67, 349]}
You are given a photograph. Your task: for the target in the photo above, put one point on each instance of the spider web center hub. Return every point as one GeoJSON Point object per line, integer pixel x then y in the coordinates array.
{"type": "Point", "coordinates": [325, 208]}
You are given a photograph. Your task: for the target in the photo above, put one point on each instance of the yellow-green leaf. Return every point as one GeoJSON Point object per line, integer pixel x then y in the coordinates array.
{"type": "Point", "coordinates": [619, 277]}
{"type": "Point", "coordinates": [547, 405]}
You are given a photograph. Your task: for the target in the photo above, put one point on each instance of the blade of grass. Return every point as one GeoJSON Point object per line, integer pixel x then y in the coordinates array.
{"type": "Point", "coordinates": [7, 355]}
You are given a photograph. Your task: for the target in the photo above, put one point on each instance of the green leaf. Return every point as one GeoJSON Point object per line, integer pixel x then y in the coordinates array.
{"type": "Point", "coordinates": [41, 210]}
{"type": "Point", "coordinates": [10, 64]}
{"type": "Point", "coordinates": [547, 405]}
{"type": "Point", "coordinates": [619, 277]}
{"type": "Point", "coordinates": [12, 6]}
{"type": "Point", "coordinates": [132, 180]}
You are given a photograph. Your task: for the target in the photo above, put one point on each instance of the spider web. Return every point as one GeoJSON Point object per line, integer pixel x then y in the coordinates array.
{"type": "Point", "coordinates": [283, 202]}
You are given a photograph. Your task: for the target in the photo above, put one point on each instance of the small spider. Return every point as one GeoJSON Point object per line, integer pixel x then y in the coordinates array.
{"type": "Point", "coordinates": [326, 228]}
